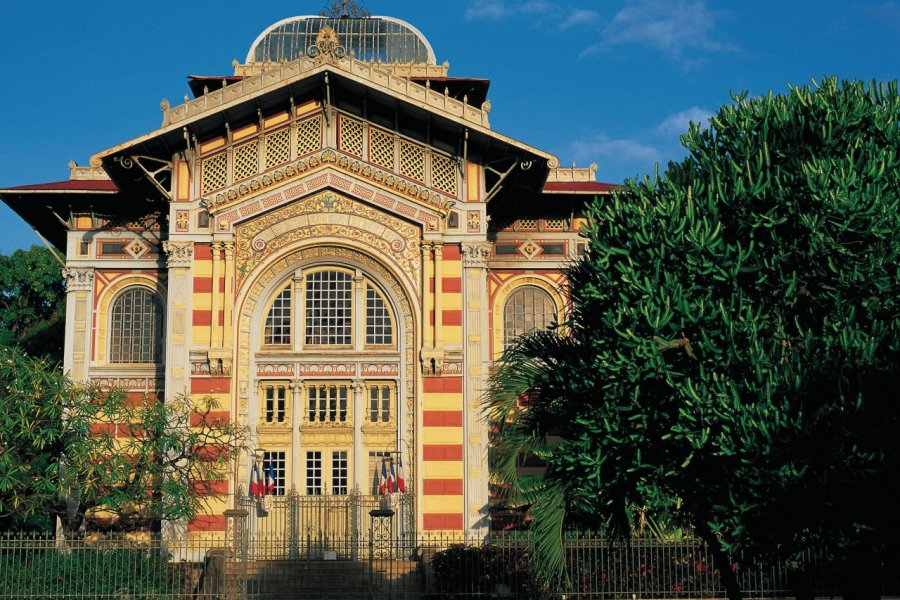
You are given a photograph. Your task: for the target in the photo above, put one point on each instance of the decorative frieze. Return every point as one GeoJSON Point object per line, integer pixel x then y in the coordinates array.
{"type": "Point", "coordinates": [180, 254]}
{"type": "Point", "coordinates": [78, 279]}
{"type": "Point", "coordinates": [476, 255]}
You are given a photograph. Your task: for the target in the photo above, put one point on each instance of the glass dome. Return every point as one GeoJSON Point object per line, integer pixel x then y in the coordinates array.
{"type": "Point", "coordinates": [371, 39]}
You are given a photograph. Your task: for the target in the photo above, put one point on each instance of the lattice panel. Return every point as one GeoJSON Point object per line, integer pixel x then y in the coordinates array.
{"type": "Point", "coordinates": [527, 224]}
{"type": "Point", "coordinates": [278, 148]}
{"type": "Point", "coordinates": [443, 174]}
{"type": "Point", "coordinates": [381, 148]}
{"type": "Point", "coordinates": [309, 136]}
{"type": "Point", "coordinates": [351, 136]}
{"type": "Point", "coordinates": [246, 160]}
{"type": "Point", "coordinates": [557, 224]}
{"type": "Point", "coordinates": [412, 161]}
{"type": "Point", "coordinates": [215, 173]}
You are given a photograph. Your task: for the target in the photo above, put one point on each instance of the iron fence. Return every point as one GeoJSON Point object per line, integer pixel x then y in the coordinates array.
{"type": "Point", "coordinates": [378, 566]}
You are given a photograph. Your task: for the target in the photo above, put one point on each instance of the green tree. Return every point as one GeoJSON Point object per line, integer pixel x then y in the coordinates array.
{"type": "Point", "coordinates": [32, 302]}
{"type": "Point", "coordinates": [734, 345]}
{"type": "Point", "coordinates": [77, 452]}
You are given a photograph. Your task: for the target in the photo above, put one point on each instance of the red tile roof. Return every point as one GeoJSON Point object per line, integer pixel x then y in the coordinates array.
{"type": "Point", "coordinates": [582, 187]}
{"type": "Point", "coordinates": [71, 185]}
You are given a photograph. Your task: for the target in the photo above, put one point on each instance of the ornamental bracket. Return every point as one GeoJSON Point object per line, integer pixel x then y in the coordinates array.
{"type": "Point", "coordinates": [158, 172]}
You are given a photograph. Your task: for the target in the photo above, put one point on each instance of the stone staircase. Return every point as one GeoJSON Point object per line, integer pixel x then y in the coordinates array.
{"type": "Point", "coordinates": [329, 579]}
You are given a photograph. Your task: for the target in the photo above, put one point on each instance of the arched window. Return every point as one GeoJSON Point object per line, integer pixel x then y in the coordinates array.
{"type": "Point", "coordinates": [278, 321]}
{"type": "Point", "coordinates": [136, 327]}
{"type": "Point", "coordinates": [527, 309]}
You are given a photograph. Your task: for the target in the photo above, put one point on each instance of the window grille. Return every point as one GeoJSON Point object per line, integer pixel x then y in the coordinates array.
{"type": "Point", "coordinates": [444, 174]}
{"type": "Point", "coordinates": [380, 400]}
{"type": "Point", "coordinates": [327, 403]}
{"type": "Point", "coordinates": [339, 473]}
{"type": "Point", "coordinates": [278, 322]}
{"type": "Point", "coordinates": [313, 473]}
{"type": "Point", "coordinates": [135, 327]}
{"type": "Point", "coordinates": [379, 329]}
{"type": "Point", "coordinates": [246, 160]}
{"type": "Point", "coordinates": [381, 148]}
{"type": "Point", "coordinates": [351, 139]}
{"type": "Point", "coordinates": [278, 148]}
{"type": "Point", "coordinates": [412, 160]}
{"type": "Point", "coordinates": [276, 403]}
{"type": "Point", "coordinates": [277, 462]}
{"type": "Point", "coordinates": [557, 224]}
{"type": "Point", "coordinates": [214, 173]}
{"type": "Point", "coordinates": [309, 136]}
{"type": "Point", "coordinates": [329, 309]}
{"type": "Point", "coordinates": [527, 224]}
{"type": "Point", "coordinates": [527, 309]}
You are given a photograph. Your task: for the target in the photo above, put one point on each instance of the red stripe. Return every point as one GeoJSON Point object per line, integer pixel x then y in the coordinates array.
{"type": "Point", "coordinates": [442, 418]}
{"type": "Point", "coordinates": [439, 385]}
{"type": "Point", "coordinates": [451, 252]}
{"type": "Point", "coordinates": [207, 523]}
{"type": "Point", "coordinates": [210, 488]}
{"type": "Point", "coordinates": [451, 317]}
{"type": "Point", "coordinates": [211, 385]}
{"type": "Point", "coordinates": [442, 452]}
{"type": "Point", "coordinates": [442, 521]}
{"type": "Point", "coordinates": [442, 487]}
{"type": "Point", "coordinates": [204, 317]}
{"type": "Point", "coordinates": [202, 284]}
{"type": "Point", "coordinates": [202, 252]}
{"type": "Point", "coordinates": [448, 284]}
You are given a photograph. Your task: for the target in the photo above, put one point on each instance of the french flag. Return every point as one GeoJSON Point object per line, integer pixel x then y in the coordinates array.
{"type": "Point", "coordinates": [391, 478]}
{"type": "Point", "coordinates": [383, 487]}
{"type": "Point", "coordinates": [257, 489]}
{"type": "Point", "coordinates": [401, 483]}
{"type": "Point", "coordinates": [270, 480]}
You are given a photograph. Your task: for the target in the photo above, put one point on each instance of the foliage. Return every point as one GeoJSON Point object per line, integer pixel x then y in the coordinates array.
{"type": "Point", "coordinates": [734, 343]}
{"type": "Point", "coordinates": [474, 571]}
{"type": "Point", "coordinates": [113, 572]}
{"type": "Point", "coordinates": [82, 451]}
{"type": "Point", "coordinates": [32, 302]}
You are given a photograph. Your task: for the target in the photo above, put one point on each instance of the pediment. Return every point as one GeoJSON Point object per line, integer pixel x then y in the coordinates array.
{"type": "Point", "coordinates": [327, 217]}
{"type": "Point", "coordinates": [329, 168]}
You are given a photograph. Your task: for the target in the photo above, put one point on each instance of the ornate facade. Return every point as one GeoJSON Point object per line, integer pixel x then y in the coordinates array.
{"type": "Point", "coordinates": [334, 244]}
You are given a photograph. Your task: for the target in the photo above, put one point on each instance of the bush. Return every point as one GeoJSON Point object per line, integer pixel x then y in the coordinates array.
{"type": "Point", "coordinates": [463, 571]}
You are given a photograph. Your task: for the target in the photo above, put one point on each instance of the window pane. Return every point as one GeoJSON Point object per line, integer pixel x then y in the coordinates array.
{"type": "Point", "coordinates": [275, 460]}
{"type": "Point", "coordinates": [329, 308]}
{"type": "Point", "coordinates": [136, 327]}
{"type": "Point", "coordinates": [379, 329]}
{"type": "Point", "coordinates": [314, 473]}
{"type": "Point", "coordinates": [339, 473]}
{"type": "Point", "coordinates": [278, 322]}
{"type": "Point", "coordinates": [527, 309]}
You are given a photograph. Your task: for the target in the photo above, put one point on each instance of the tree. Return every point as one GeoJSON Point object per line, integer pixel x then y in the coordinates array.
{"type": "Point", "coordinates": [32, 302]}
{"type": "Point", "coordinates": [81, 451]}
{"type": "Point", "coordinates": [734, 344]}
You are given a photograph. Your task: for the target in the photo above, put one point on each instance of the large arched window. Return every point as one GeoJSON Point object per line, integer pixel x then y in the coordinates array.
{"type": "Point", "coordinates": [136, 327]}
{"type": "Point", "coordinates": [528, 308]}
{"type": "Point", "coordinates": [325, 306]}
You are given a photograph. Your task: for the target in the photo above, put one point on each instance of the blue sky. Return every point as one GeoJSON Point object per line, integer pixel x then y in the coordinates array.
{"type": "Point", "coordinates": [611, 81]}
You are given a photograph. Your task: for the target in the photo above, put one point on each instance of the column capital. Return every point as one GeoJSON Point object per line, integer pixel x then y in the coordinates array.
{"type": "Point", "coordinates": [78, 279]}
{"type": "Point", "coordinates": [476, 255]}
{"type": "Point", "coordinates": [296, 384]}
{"type": "Point", "coordinates": [179, 254]}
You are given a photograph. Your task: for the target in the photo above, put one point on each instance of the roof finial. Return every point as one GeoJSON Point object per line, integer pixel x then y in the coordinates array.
{"type": "Point", "coordinates": [344, 9]}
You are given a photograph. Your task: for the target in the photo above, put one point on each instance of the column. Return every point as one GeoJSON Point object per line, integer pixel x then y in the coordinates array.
{"type": "Point", "coordinates": [438, 290]}
{"type": "Point", "coordinates": [79, 294]}
{"type": "Point", "coordinates": [360, 459]}
{"type": "Point", "coordinates": [296, 420]}
{"type": "Point", "coordinates": [229, 295]}
{"type": "Point", "coordinates": [215, 304]}
{"type": "Point", "coordinates": [179, 256]}
{"type": "Point", "coordinates": [476, 364]}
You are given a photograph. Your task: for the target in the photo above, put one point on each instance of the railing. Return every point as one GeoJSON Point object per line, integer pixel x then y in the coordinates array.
{"type": "Point", "coordinates": [433, 568]}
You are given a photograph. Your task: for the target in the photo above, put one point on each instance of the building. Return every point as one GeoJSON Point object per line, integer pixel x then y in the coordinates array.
{"type": "Point", "coordinates": [334, 244]}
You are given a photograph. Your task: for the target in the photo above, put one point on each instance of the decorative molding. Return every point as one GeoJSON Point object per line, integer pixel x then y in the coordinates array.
{"type": "Point", "coordinates": [139, 384]}
{"type": "Point", "coordinates": [180, 254]}
{"type": "Point", "coordinates": [308, 219]}
{"type": "Point", "coordinates": [78, 279]}
{"type": "Point", "coordinates": [417, 192]}
{"type": "Point", "coordinates": [476, 255]}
